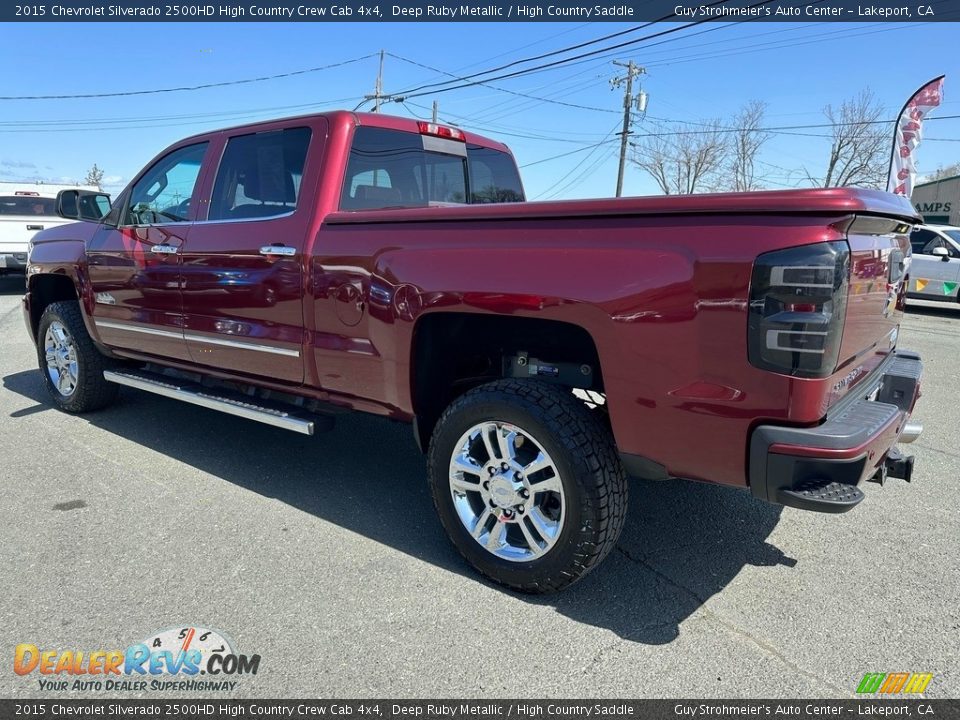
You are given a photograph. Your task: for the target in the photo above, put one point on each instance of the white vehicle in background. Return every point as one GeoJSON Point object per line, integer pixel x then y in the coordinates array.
{"type": "Point", "coordinates": [935, 268]}
{"type": "Point", "coordinates": [26, 209]}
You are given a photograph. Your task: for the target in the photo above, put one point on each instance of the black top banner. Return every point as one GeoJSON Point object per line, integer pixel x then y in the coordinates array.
{"type": "Point", "coordinates": [480, 11]}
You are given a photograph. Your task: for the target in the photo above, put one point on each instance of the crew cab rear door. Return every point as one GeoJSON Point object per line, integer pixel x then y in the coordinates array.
{"type": "Point", "coordinates": [243, 265]}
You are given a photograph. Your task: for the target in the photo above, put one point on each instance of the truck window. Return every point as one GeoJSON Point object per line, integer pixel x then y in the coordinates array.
{"type": "Point", "coordinates": [493, 176]}
{"type": "Point", "coordinates": [260, 174]}
{"type": "Point", "coordinates": [27, 205]}
{"type": "Point", "coordinates": [390, 168]}
{"type": "Point", "coordinates": [162, 195]}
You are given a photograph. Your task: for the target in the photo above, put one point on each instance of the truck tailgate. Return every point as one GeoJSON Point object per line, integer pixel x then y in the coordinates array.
{"type": "Point", "coordinates": [878, 267]}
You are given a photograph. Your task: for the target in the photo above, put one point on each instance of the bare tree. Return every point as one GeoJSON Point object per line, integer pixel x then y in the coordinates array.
{"type": "Point", "coordinates": [943, 172]}
{"type": "Point", "coordinates": [746, 140]}
{"type": "Point", "coordinates": [684, 161]}
{"type": "Point", "coordinates": [860, 145]}
{"type": "Point", "coordinates": [654, 154]}
{"type": "Point", "coordinates": [94, 177]}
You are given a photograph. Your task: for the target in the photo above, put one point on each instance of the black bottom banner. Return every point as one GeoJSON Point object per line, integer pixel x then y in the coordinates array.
{"type": "Point", "coordinates": [487, 709]}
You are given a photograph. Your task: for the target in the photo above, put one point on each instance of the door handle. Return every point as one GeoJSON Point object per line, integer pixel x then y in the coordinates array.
{"type": "Point", "coordinates": [278, 250]}
{"type": "Point", "coordinates": [164, 250]}
{"type": "Point", "coordinates": [34, 227]}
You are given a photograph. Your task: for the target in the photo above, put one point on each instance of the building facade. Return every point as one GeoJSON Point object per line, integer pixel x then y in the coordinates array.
{"type": "Point", "coordinates": [938, 201]}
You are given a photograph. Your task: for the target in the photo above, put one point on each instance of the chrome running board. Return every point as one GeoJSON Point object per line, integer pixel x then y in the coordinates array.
{"type": "Point", "coordinates": [205, 397]}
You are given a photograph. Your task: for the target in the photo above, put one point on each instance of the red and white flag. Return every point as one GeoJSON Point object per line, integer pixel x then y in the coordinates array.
{"type": "Point", "coordinates": [907, 136]}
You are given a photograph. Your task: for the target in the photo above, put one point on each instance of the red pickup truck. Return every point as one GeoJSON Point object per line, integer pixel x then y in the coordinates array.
{"type": "Point", "coordinates": [543, 352]}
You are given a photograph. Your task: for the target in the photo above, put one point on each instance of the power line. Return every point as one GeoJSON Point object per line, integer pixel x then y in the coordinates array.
{"type": "Point", "coordinates": [539, 68]}
{"type": "Point", "coordinates": [534, 58]}
{"type": "Point", "coordinates": [572, 152]}
{"type": "Point", "coordinates": [204, 86]}
{"type": "Point", "coordinates": [725, 130]}
{"type": "Point", "coordinates": [579, 164]}
{"type": "Point", "coordinates": [399, 97]}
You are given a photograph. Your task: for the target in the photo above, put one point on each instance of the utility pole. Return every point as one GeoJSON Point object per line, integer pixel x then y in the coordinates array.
{"type": "Point", "coordinates": [378, 89]}
{"type": "Point", "coordinates": [435, 109]}
{"type": "Point", "coordinates": [633, 70]}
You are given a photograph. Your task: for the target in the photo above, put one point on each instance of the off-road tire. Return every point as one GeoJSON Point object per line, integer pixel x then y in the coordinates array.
{"type": "Point", "coordinates": [92, 392]}
{"type": "Point", "coordinates": [593, 478]}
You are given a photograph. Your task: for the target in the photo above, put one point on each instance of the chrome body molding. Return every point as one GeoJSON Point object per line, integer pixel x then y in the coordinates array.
{"type": "Point", "coordinates": [195, 337]}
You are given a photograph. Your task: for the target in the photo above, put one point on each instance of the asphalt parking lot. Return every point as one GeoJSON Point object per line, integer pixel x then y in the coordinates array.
{"type": "Point", "coordinates": [323, 556]}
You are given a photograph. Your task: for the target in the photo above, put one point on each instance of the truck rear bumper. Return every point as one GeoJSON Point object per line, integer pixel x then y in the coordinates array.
{"type": "Point", "coordinates": [819, 468]}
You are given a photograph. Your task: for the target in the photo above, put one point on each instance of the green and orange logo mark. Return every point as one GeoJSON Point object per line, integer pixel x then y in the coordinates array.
{"type": "Point", "coordinates": [894, 683]}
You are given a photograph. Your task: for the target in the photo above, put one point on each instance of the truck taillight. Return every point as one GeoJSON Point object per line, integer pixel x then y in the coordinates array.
{"type": "Point", "coordinates": [798, 300]}
{"type": "Point", "coordinates": [429, 128]}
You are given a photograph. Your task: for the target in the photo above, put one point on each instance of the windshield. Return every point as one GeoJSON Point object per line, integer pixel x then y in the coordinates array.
{"type": "Point", "coordinates": [27, 205]}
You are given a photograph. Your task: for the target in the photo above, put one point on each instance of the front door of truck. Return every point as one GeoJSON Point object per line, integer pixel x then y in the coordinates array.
{"type": "Point", "coordinates": [134, 258]}
{"type": "Point", "coordinates": [935, 268]}
{"type": "Point", "coordinates": [243, 264]}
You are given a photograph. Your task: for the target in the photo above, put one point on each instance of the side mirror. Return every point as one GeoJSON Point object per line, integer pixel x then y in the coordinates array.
{"type": "Point", "coordinates": [942, 253]}
{"type": "Point", "coordinates": [82, 205]}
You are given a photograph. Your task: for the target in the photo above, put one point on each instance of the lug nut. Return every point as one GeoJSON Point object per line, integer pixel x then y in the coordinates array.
{"type": "Point", "coordinates": [524, 493]}
{"type": "Point", "coordinates": [492, 470]}
{"type": "Point", "coordinates": [520, 509]}
{"type": "Point", "coordinates": [518, 476]}
{"type": "Point", "coordinates": [486, 484]}
{"type": "Point", "coordinates": [504, 466]}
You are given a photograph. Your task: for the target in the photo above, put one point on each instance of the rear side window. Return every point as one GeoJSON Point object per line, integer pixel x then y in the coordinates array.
{"type": "Point", "coordinates": [390, 168]}
{"type": "Point", "coordinates": [260, 175]}
{"type": "Point", "coordinates": [493, 176]}
{"type": "Point", "coordinates": [27, 205]}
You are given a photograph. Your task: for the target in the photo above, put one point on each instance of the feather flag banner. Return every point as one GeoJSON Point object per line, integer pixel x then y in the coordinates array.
{"type": "Point", "coordinates": [907, 136]}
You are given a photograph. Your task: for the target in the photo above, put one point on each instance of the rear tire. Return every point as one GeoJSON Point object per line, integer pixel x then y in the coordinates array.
{"type": "Point", "coordinates": [527, 483]}
{"type": "Point", "coordinates": [70, 363]}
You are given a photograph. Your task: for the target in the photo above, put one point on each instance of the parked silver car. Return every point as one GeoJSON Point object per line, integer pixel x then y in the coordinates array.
{"type": "Point", "coordinates": [935, 269]}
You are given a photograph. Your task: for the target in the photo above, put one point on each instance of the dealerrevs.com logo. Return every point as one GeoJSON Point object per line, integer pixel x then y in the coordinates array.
{"type": "Point", "coordinates": [172, 659]}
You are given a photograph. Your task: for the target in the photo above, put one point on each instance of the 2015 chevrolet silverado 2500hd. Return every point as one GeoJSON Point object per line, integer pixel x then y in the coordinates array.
{"type": "Point", "coordinates": [281, 269]}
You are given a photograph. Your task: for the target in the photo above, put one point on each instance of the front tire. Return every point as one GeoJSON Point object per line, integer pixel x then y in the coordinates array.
{"type": "Point", "coordinates": [527, 483]}
{"type": "Point", "coordinates": [71, 365]}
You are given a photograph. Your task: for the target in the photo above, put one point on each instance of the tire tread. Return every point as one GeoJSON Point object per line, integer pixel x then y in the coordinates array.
{"type": "Point", "coordinates": [601, 475]}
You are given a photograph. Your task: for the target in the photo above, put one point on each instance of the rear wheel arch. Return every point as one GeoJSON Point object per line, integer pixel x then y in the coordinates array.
{"type": "Point", "coordinates": [453, 352]}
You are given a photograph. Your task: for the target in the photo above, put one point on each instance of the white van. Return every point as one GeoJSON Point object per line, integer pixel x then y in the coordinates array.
{"type": "Point", "coordinates": [26, 209]}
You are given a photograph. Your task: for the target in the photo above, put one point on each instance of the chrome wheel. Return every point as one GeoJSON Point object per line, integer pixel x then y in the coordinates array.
{"type": "Point", "coordinates": [61, 356]}
{"type": "Point", "coordinates": [507, 491]}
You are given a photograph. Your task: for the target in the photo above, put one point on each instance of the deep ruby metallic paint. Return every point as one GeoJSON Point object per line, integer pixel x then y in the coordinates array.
{"type": "Point", "coordinates": [660, 284]}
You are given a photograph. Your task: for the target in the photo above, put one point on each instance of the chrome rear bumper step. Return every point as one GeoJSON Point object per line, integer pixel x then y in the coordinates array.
{"type": "Point", "coordinates": [230, 403]}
